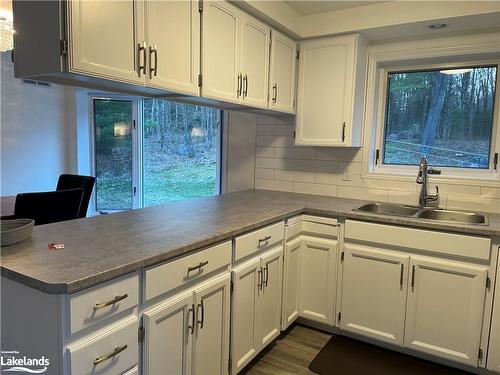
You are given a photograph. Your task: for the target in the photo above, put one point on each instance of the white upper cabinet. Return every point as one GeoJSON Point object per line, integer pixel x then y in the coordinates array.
{"type": "Point", "coordinates": [331, 86]}
{"type": "Point", "coordinates": [445, 309]}
{"type": "Point", "coordinates": [235, 55]}
{"type": "Point", "coordinates": [282, 73]}
{"type": "Point", "coordinates": [104, 39]}
{"type": "Point", "coordinates": [374, 293]}
{"type": "Point", "coordinates": [172, 30]}
{"type": "Point", "coordinates": [221, 51]}
{"type": "Point", "coordinates": [254, 61]}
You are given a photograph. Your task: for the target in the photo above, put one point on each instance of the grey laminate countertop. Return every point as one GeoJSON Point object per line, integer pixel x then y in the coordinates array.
{"type": "Point", "coordinates": [101, 248]}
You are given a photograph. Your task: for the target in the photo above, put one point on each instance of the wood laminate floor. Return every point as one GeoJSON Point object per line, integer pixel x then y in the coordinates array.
{"type": "Point", "coordinates": [290, 354]}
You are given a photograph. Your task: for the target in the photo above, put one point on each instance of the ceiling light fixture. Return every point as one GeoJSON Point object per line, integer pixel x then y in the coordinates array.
{"type": "Point", "coordinates": [437, 26]}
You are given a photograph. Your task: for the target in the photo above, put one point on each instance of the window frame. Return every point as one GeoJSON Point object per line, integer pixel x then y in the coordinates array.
{"type": "Point", "coordinates": [137, 148]}
{"type": "Point", "coordinates": [378, 168]}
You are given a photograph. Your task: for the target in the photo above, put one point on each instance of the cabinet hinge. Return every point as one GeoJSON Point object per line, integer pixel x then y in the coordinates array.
{"type": "Point", "coordinates": [140, 334]}
{"type": "Point", "coordinates": [340, 317]}
{"type": "Point", "coordinates": [377, 156]}
{"type": "Point", "coordinates": [200, 6]}
{"type": "Point", "coordinates": [480, 354]}
{"type": "Point", "coordinates": [63, 47]}
{"type": "Point", "coordinates": [200, 80]}
{"type": "Point", "coordinates": [495, 161]}
{"type": "Point", "coordinates": [342, 257]}
{"type": "Point", "coordinates": [488, 283]}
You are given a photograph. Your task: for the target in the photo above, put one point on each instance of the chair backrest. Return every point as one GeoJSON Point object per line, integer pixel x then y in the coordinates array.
{"type": "Point", "coordinates": [49, 207]}
{"type": "Point", "coordinates": [74, 181]}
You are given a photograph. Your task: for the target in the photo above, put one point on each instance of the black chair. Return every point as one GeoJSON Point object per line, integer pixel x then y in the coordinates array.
{"type": "Point", "coordinates": [73, 181]}
{"type": "Point", "coordinates": [48, 207]}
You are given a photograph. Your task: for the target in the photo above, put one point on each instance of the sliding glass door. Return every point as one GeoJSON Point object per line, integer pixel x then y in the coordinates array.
{"type": "Point", "coordinates": [151, 151]}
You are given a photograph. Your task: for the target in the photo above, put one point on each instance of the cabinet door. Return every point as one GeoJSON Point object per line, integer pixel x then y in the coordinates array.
{"type": "Point", "coordinates": [445, 309]}
{"type": "Point", "coordinates": [324, 91]}
{"type": "Point", "coordinates": [103, 39]}
{"type": "Point", "coordinates": [254, 61]}
{"type": "Point", "coordinates": [221, 51]}
{"type": "Point", "coordinates": [317, 279]}
{"type": "Point", "coordinates": [374, 293]}
{"type": "Point", "coordinates": [291, 282]}
{"type": "Point", "coordinates": [173, 40]}
{"type": "Point", "coordinates": [168, 336]}
{"type": "Point", "coordinates": [282, 76]}
{"type": "Point", "coordinates": [246, 280]}
{"type": "Point", "coordinates": [269, 297]}
{"type": "Point", "coordinates": [494, 348]}
{"type": "Point", "coordinates": [211, 345]}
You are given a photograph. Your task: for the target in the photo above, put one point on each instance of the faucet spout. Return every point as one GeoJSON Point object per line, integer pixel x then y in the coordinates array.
{"type": "Point", "coordinates": [424, 198]}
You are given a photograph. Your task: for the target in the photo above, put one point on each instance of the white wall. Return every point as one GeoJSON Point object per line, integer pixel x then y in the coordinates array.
{"type": "Point", "coordinates": [36, 131]}
{"type": "Point", "coordinates": [279, 165]}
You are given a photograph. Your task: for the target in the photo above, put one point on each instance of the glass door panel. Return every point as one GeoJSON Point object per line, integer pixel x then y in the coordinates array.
{"type": "Point", "coordinates": [113, 120]}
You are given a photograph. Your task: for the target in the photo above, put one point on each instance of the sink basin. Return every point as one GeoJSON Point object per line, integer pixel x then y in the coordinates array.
{"type": "Point", "coordinates": [427, 213]}
{"type": "Point", "coordinates": [389, 209]}
{"type": "Point", "coordinates": [455, 216]}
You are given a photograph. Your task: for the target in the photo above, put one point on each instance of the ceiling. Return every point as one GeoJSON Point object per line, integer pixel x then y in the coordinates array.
{"type": "Point", "coordinates": [306, 8]}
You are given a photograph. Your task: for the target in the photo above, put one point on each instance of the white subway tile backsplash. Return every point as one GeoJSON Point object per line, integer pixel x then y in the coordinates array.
{"type": "Point", "coordinates": [317, 189]}
{"type": "Point", "coordinates": [274, 185]}
{"type": "Point", "coordinates": [280, 165]}
{"type": "Point", "coordinates": [294, 176]}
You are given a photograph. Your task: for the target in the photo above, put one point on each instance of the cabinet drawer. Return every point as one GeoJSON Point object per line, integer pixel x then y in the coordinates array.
{"type": "Point", "coordinates": [464, 246]}
{"type": "Point", "coordinates": [257, 240]}
{"type": "Point", "coordinates": [93, 305]}
{"type": "Point", "coordinates": [110, 353]}
{"type": "Point", "coordinates": [163, 278]}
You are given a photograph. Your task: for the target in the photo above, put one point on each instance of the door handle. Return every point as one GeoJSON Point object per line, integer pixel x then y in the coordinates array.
{"type": "Point", "coordinates": [191, 311]}
{"type": "Point", "coordinates": [413, 277]}
{"type": "Point", "coordinates": [105, 357]}
{"type": "Point", "coordinates": [239, 86]}
{"type": "Point", "coordinates": [153, 69]}
{"type": "Point", "coordinates": [198, 267]}
{"type": "Point", "coordinates": [245, 90]}
{"type": "Point", "coordinates": [401, 275]}
{"type": "Point", "coordinates": [275, 93]}
{"type": "Point", "coordinates": [266, 268]}
{"type": "Point", "coordinates": [259, 279]}
{"type": "Point", "coordinates": [98, 306]}
{"type": "Point", "coordinates": [141, 50]}
{"type": "Point", "coordinates": [202, 306]}
{"type": "Point", "coordinates": [343, 132]}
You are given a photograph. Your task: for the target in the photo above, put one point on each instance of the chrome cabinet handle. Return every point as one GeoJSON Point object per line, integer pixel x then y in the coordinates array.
{"type": "Point", "coordinates": [98, 306]}
{"type": "Point", "coordinates": [275, 93]}
{"type": "Point", "coordinates": [239, 85]}
{"type": "Point", "coordinates": [266, 268]}
{"type": "Point", "coordinates": [401, 275]}
{"type": "Point", "coordinates": [343, 132]}
{"type": "Point", "coordinates": [198, 267]}
{"type": "Point", "coordinates": [259, 283]}
{"type": "Point", "coordinates": [141, 47]}
{"type": "Point", "coordinates": [265, 239]}
{"type": "Point", "coordinates": [191, 311]}
{"type": "Point", "coordinates": [153, 69]}
{"type": "Point", "coordinates": [202, 306]}
{"type": "Point", "coordinates": [105, 357]}
{"type": "Point", "coordinates": [245, 90]}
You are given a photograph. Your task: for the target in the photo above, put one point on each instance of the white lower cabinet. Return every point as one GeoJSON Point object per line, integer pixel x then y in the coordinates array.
{"type": "Point", "coordinates": [256, 307]}
{"type": "Point", "coordinates": [318, 279]}
{"type": "Point", "coordinates": [494, 349]}
{"type": "Point", "coordinates": [374, 293]}
{"type": "Point", "coordinates": [189, 332]}
{"type": "Point", "coordinates": [291, 282]}
{"type": "Point", "coordinates": [445, 309]}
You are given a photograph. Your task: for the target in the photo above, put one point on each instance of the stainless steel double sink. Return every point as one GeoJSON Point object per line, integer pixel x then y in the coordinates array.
{"type": "Point", "coordinates": [426, 213]}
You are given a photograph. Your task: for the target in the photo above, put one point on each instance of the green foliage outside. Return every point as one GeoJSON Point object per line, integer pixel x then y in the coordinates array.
{"type": "Point", "coordinates": [447, 117]}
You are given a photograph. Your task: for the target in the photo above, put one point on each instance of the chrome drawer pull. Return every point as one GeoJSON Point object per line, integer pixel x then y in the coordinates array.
{"type": "Point", "coordinates": [198, 267]}
{"type": "Point", "coordinates": [98, 306]}
{"type": "Point", "coordinates": [265, 239]}
{"type": "Point", "coordinates": [103, 358]}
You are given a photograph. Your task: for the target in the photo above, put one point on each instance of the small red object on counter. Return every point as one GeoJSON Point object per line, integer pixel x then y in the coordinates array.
{"type": "Point", "coordinates": [56, 246]}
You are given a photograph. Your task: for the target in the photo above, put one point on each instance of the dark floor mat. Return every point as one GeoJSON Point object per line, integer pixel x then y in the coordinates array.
{"type": "Point", "coordinates": [345, 356]}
